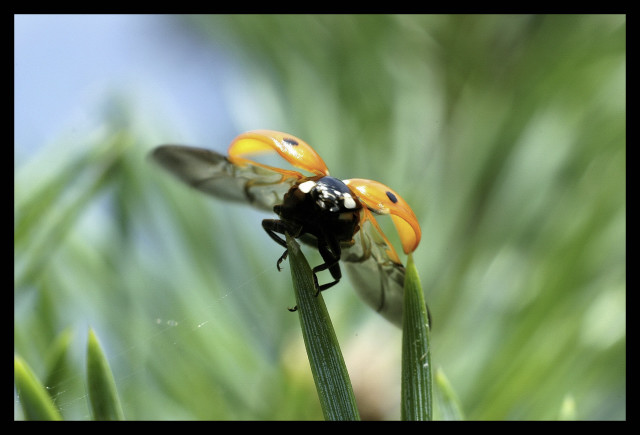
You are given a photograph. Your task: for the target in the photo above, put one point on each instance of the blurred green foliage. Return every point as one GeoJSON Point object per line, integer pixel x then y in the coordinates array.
{"type": "Point", "coordinates": [506, 134]}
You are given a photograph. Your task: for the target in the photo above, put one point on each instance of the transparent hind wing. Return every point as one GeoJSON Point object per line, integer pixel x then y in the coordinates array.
{"type": "Point", "coordinates": [213, 173]}
{"type": "Point", "coordinates": [377, 279]}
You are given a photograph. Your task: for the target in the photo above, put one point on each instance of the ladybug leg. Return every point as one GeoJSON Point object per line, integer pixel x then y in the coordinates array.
{"type": "Point", "coordinates": [275, 226]}
{"type": "Point", "coordinates": [330, 252]}
{"type": "Point", "coordinates": [281, 259]}
{"type": "Point", "coordinates": [331, 262]}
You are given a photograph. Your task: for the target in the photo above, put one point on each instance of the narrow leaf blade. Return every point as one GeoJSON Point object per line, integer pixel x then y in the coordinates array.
{"type": "Point", "coordinates": [325, 357]}
{"type": "Point", "coordinates": [417, 400]}
{"type": "Point", "coordinates": [36, 403]}
{"type": "Point", "coordinates": [103, 396]}
{"type": "Point", "coordinates": [449, 404]}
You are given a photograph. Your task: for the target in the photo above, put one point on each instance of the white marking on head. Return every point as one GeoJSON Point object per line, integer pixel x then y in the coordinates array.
{"type": "Point", "coordinates": [348, 201]}
{"type": "Point", "coordinates": [306, 186]}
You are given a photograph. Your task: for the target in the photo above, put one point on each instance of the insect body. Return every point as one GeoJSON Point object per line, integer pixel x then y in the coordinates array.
{"type": "Point", "coordinates": [322, 209]}
{"type": "Point", "coordinates": [335, 216]}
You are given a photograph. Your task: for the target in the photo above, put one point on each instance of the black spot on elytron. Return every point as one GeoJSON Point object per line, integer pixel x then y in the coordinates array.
{"type": "Point", "coordinates": [290, 141]}
{"type": "Point", "coordinates": [392, 197]}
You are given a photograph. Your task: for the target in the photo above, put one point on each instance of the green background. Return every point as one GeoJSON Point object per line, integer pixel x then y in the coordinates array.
{"type": "Point", "coordinates": [506, 134]}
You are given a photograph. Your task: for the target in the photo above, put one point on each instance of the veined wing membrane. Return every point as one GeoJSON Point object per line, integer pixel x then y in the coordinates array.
{"type": "Point", "coordinates": [377, 279]}
{"type": "Point", "coordinates": [213, 173]}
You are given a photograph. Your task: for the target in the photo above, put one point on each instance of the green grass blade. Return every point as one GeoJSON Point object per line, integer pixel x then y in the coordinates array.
{"type": "Point", "coordinates": [103, 396]}
{"type": "Point", "coordinates": [36, 403]}
{"type": "Point", "coordinates": [417, 400]}
{"type": "Point", "coordinates": [57, 364]}
{"type": "Point", "coordinates": [449, 404]}
{"type": "Point", "coordinates": [41, 227]}
{"type": "Point", "coordinates": [325, 357]}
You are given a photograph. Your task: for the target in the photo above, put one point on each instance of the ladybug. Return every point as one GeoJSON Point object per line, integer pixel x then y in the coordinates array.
{"type": "Point", "coordinates": [334, 216]}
